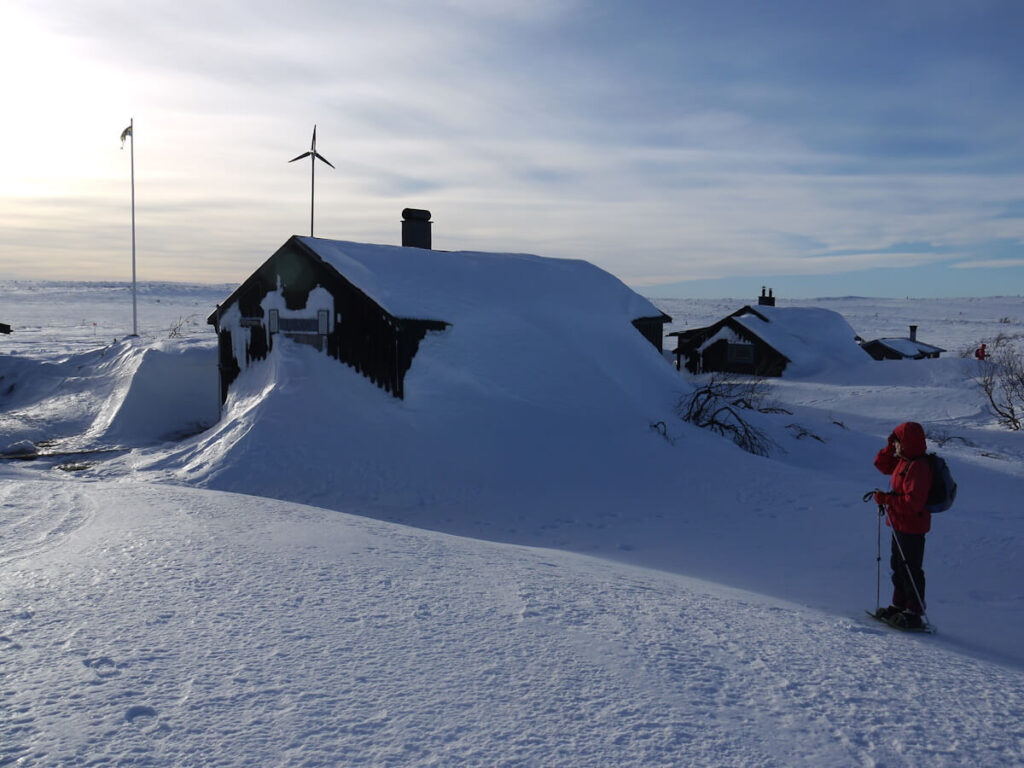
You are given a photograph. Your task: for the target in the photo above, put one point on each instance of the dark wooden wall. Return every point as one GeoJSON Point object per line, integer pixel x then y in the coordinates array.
{"type": "Point", "coordinates": [368, 338]}
{"type": "Point", "coordinates": [653, 329]}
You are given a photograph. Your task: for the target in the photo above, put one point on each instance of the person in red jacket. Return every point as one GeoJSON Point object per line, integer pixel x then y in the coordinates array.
{"type": "Point", "coordinates": [904, 458]}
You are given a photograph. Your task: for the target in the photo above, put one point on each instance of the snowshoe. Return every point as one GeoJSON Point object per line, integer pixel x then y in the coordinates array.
{"type": "Point", "coordinates": [884, 614]}
{"type": "Point", "coordinates": [902, 622]}
{"type": "Point", "coordinates": [906, 620]}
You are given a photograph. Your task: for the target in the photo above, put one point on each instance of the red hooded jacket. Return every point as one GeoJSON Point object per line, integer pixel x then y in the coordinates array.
{"type": "Point", "coordinates": [911, 479]}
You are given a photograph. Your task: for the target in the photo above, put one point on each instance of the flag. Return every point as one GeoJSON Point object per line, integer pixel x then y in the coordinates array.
{"type": "Point", "coordinates": [125, 134]}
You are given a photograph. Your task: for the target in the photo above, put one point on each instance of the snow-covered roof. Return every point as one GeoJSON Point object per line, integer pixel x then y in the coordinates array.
{"type": "Point", "coordinates": [908, 347]}
{"type": "Point", "coordinates": [812, 338]}
{"type": "Point", "coordinates": [446, 285]}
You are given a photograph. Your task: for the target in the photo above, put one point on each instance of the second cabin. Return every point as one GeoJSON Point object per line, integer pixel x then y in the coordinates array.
{"type": "Point", "coordinates": [767, 340]}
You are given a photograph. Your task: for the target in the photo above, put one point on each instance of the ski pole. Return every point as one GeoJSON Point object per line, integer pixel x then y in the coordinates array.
{"type": "Point", "coordinates": [878, 562]}
{"type": "Point", "coordinates": [878, 552]}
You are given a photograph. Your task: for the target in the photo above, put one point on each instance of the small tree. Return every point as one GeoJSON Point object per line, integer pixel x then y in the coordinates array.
{"type": "Point", "coordinates": [1001, 376]}
{"type": "Point", "coordinates": [719, 404]}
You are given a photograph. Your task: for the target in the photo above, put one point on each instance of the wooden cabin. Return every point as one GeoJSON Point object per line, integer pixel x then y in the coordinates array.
{"type": "Point", "coordinates": [370, 306]}
{"type": "Point", "coordinates": [907, 348]}
{"type": "Point", "coordinates": [767, 340]}
{"type": "Point", "coordinates": [729, 346]}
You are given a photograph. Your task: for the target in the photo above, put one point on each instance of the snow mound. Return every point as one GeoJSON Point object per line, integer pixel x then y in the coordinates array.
{"type": "Point", "coordinates": [129, 394]}
{"type": "Point", "coordinates": [481, 427]}
{"type": "Point", "coordinates": [163, 391]}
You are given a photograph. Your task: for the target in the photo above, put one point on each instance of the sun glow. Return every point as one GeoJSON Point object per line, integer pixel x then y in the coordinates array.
{"type": "Point", "coordinates": [63, 113]}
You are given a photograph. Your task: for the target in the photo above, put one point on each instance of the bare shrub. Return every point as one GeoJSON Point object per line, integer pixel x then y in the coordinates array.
{"type": "Point", "coordinates": [182, 325]}
{"type": "Point", "coordinates": [1001, 377]}
{"type": "Point", "coordinates": [719, 406]}
{"type": "Point", "coordinates": [801, 432]}
{"type": "Point", "coordinates": [941, 438]}
{"type": "Point", "coordinates": [176, 331]}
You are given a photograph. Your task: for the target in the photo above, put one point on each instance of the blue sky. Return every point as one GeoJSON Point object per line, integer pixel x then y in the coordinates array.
{"type": "Point", "coordinates": [691, 148]}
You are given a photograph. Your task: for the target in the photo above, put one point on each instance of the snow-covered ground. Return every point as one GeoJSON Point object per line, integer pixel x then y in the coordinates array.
{"type": "Point", "coordinates": [480, 575]}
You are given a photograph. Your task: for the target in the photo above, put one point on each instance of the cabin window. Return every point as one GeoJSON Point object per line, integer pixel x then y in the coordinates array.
{"type": "Point", "coordinates": [299, 324]}
{"type": "Point", "coordinates": [274, 321]}
{"type": "Point", "coordinates": [740, 353]}
{"type": "Point", "coordinates": [323, 318]}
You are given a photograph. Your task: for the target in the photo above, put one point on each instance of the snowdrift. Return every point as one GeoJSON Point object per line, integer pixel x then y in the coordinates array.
{"type": "Point", "coordinates": [129, 394]}
{"type": "Point", "coordinates": [484, 427]}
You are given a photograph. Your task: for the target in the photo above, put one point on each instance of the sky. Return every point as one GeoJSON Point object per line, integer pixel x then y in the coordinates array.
{"type": "Point", "coordinates": [690, 148]}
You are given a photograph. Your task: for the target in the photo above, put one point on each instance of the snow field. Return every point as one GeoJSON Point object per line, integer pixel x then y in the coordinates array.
{"type": "Point", "coordinates": [499, 570]}
{"type": "Point", "coordinates": [320, 637]}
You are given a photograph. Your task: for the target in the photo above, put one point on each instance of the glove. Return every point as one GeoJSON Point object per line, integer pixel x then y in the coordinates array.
{"type": "Point", "coordinates": [882, 498]}
{"type": "Point", "coordinates": [890, 446]}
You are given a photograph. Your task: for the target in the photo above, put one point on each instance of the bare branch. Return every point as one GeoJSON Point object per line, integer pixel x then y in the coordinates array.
{"type": "Point", "coordinates": [718, 404]}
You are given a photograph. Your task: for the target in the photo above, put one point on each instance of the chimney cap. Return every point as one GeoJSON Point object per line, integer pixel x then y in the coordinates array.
{"type": "Point", "coordinates": [415, 214]}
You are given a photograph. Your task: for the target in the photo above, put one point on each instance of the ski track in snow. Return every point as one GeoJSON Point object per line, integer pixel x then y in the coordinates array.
{"type": "Point", "coordinates": [323, 639]}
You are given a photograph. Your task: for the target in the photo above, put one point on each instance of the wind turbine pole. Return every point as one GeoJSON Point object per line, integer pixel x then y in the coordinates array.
{"type": "Point", "coordinates": [313, 156]}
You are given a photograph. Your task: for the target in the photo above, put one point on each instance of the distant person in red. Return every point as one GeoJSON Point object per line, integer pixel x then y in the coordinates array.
{"type": "Point", "coordinates": [981, 354]}
{"type": "Point", "coordinates": [904, 458]}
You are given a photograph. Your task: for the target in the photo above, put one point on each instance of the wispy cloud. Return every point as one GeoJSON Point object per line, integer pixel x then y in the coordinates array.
{"type": "Point", "coordinates": [989, 264]}
{"type": "Point", "coordinates": [664, 141]}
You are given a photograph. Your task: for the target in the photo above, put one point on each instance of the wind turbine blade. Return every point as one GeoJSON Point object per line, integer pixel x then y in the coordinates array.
{"type": "Point", "coordinates": [304, 154]}
{"type": "Point", "coordinates": [318, 156]}
{"type": "Point", "coordinates": [313, 145]}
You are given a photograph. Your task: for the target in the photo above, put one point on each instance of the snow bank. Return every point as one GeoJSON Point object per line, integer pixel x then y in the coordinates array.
{"type": "Point", "coordinates": [129, 394]}
{"type": "Point", "coordinates": [523, 432]}
{"type": "Point", "coordinates": [172, 392]}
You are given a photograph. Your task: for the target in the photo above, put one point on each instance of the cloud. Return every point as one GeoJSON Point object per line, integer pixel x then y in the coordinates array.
{"type": "Point", "coordinates": [989, 264]}
{"type": "Point", "coordinates": [662, 141]}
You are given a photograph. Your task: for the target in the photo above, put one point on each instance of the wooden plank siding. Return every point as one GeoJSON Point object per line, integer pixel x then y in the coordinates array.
{"type": "Point", "coordinates": [653, 329]}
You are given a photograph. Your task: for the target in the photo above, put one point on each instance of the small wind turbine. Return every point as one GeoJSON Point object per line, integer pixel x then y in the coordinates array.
{"type": "Point", "coordinates": [313, 156]}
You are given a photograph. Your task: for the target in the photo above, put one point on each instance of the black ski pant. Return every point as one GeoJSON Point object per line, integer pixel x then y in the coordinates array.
{"type": "Point", "coordinates": [912, 545]}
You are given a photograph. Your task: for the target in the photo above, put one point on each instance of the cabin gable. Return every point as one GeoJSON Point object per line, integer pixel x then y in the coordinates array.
{"type": "Point", "coordinates": [297, 295]}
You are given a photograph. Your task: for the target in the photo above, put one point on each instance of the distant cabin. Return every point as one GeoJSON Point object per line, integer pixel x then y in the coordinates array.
{"type": "Point", "coordinates": [768, 340]}
{"type": "Point", "coordinates": [370, 306]}
{"type": "Point", "coordinates": [908, 348]}
{"type": "Point", "coordinates": [5, 328]}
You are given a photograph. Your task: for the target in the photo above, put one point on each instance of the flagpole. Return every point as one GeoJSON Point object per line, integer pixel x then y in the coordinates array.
{"type": "Point", "coordinates": [135, 312]}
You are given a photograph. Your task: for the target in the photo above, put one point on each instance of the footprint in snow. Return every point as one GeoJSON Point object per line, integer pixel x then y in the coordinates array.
{"type": "Point", "coordinates": [145, 719]}
{"type": "Point", "coordinates": [139, 711]}
{"type": "Point", "coordinates": [103, 666]}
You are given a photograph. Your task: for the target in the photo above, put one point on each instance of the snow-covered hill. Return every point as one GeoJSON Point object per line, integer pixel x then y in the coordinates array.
{"type": "Point", "coordinates": [486, 578]}
{"type": "Point", "coordinates": [154, 625]}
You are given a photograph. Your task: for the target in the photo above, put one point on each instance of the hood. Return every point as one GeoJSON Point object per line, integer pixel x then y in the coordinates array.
{"type": "Point", "coordinates": [911, 437]}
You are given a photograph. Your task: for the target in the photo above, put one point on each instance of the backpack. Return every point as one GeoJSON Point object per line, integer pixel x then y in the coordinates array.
{"type": "Point", "coordinates": [942, 493]}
